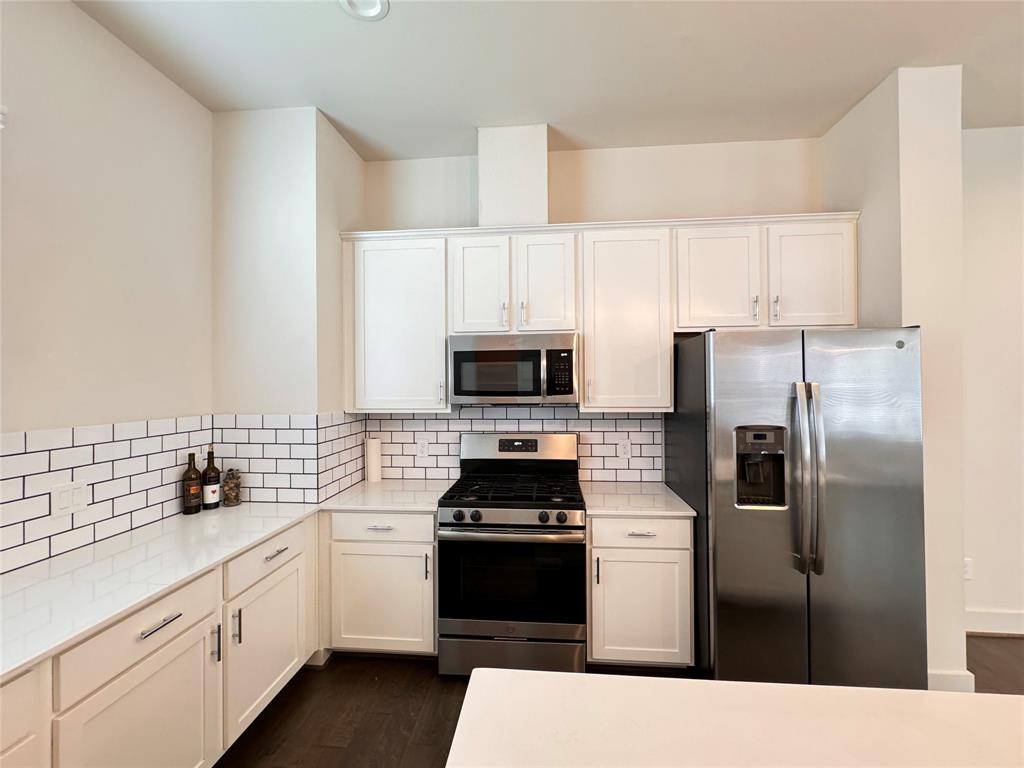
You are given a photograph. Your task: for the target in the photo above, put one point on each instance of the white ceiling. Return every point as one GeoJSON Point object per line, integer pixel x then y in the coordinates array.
{"type": "Point", "coordinates": [602, 74]}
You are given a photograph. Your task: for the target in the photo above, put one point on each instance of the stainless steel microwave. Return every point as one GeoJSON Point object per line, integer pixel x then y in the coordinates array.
{"type": "Point", "coordinates": [512, 368]}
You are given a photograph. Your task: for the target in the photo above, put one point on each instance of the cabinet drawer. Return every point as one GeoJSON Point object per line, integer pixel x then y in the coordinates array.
{"type": "Point", "coordinates": [645, 532]}
{"type": "Point", "coordinates": [381, 526]}
{"type": "Point", "coordinates": [263, 559]}
{"type": "Point", "coordinates": [103, 657]}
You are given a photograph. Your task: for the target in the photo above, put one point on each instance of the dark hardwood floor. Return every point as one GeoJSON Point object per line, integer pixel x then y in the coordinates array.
{"type": "Point", "coordinates": [997, 663]}
{"type": "Point", "coordinates": [356, 711]}
{"type": "Point", "coordinates": [397, 712]}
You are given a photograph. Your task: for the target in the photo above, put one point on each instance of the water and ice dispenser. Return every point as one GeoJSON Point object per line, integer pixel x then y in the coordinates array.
{"type": "Point", "coordinates": [760, 466]}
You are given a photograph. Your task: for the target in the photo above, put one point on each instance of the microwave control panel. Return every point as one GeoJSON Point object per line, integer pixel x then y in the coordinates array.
{"type": "Point", "coordinates": [560, 372]}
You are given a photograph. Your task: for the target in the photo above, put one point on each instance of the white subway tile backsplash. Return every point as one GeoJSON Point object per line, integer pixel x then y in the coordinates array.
{"type": "Point", "coordinates": [223, 420]}
{"type": "Point", "coordinates": [12, 442]}
{"type": "Point", "coordinates": [93, 473]}
{"type": "Point", "coordinates": [146, 445]}
{"type": "Point", "coordinates": [96, 433]}
{"type": "Point", "coordinates": [24, 464]}
{"type": "Point", "coordinates": [111, 451]}
{"type": "Point", "coordinates": [71, 457]}
{"type": "Point", "coordinates": [17, 557]}
{"type": "Point", "coordinates": [48, 439]}
{"type": "Point", "coordinates": [38, 484]}
{"type": "Point", "coordinates": [129, 430]}
{"type": "Point", "coordinates": [11, 490]}
{"type": "Point", "coordinates": [24, 509]}
{"type": "Point", "coordinates": [44, 527]}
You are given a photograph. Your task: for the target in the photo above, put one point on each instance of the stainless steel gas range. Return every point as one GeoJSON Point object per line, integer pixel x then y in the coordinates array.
{"type": "Point", "coordinates": [511, 570]}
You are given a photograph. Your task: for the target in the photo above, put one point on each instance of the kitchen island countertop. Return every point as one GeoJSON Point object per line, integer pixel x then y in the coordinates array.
{"type": "Point", "coordinates": [612, 720]}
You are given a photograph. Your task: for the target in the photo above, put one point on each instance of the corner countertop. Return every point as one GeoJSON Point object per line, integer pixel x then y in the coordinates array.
{"type": "Point", "coordinates": [49, 606]}
{"type": "Point", "coordinates": [390, 495]}
{"type": "Point", "coordinates": [613, 720]}
{"type": "Point", "coordinates": [53, 604]}
{"type": "Point", "coordinates": [634, 499]}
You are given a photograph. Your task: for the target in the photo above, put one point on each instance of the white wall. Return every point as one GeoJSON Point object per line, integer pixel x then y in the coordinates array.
{"type": "Point", "coordinates": [727, 179]}
{"type": "Point", "coordinates": [340, 180]}
{"type": "Point", "coordinates": [106, 298]}
{"type": "Point", "coordinates": [994, 377]}
{"type": "Point", "coordinates": [415, 194]}
{"type": "Point", "coordinates": [860, 172]}
{"type": "Point", "coordinates": [914, 240]}
{"type": "Point", "coordinates": [264, 246]}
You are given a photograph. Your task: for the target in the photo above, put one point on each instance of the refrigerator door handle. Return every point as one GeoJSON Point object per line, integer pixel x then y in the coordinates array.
{"type": "Point", "coordinates": [804, 557]}
{"type": "Point", "coordinates": [818, 556]}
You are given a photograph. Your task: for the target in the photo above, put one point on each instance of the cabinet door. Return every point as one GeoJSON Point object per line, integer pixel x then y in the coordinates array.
{"type": "Point", "coordinates": [382, 596]}
{"type": "Point", "coordinates": [545, 295]}
{"type": "Point", "coordinates": [479, 282]}
{"type": "Point", "coordinates": [641, 605]}
{"type": "Point", "coordinates": [264, 644]}
{"type": "Point", "coordinates": [718, 277]}
{"type": "Point", "coordinates": [627, 339]}
{"type": "Point", "coordinates": [399, 325]}
{"type": "Point", "coordinates": [165, 711]}
{"type": "Point", "coordinates": [812, 273]}
{"type": "Point", "coordinates": [25, 705]}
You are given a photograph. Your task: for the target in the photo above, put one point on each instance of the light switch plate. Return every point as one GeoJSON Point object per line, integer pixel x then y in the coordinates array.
{"type": "Point", "coordinates": [422, 447]}
{"type": "Point", "coordinates": [69, 498]}
{"type": "Point", "coordinates": [625, 449]}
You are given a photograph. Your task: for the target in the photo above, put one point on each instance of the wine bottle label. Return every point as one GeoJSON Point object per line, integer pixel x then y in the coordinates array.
{"type": "Point", "coordinates": [193, 493]}
{"type": "Point", "coordinates": [211, 493]}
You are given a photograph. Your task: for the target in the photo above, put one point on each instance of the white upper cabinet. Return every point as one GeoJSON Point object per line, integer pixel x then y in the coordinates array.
{"type": "Point", "coordinates": [627, 324]}
{"type": "Point", "coordinates": [399, 325]}
{"type": "Point", "coordinates": [812, 273]}
{"type": "Point", "coordinates": [545, 270]}
{"type": "Point", "coordinates": [718, 277]}
{"type": "Point", "coordinates": [479, 284]}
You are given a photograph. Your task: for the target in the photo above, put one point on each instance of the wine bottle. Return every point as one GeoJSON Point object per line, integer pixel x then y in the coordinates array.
{"type": "Point", "coordinates": [211, 483]}
{"type": "Point", "coordinates": [191, 487]}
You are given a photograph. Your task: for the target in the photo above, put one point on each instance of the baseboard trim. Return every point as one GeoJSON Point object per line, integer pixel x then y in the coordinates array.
{"type": "Point", "coordinates": [995, 621]}
{"type": "Point", "coordinates": [950, 680]}
{"type": "Point", "coordinates": [319, 658]}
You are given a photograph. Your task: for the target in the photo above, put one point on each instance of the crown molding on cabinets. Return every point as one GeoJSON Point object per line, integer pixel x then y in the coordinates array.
{"type": "Point", "coordinates": [398, 234]}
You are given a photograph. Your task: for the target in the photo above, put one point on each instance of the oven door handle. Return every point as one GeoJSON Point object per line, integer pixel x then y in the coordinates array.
{"type": "Point", "coordinates": [560, 537]}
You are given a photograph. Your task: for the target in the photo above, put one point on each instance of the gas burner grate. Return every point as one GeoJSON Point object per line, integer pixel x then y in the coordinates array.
{"type": "Point", "coordinates": [561, 489]}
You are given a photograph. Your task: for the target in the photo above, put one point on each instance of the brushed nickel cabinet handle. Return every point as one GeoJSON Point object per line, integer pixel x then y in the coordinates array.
{"type": "Point", "coordinates": [238, 635]}
{"type": "Point", "coordinates": [775, 304]}
{"type": "Point", "coordinates": [522, 313]}
{"type": "Point", "coordinates": [216, 648]}
{"type": "Point", "coordinates": [279, 551]}
{"type": "Point", "coordinates": [426, 566]}
{"type": "Point", "coordinates": [380, 527]}
{"type": "Point", "coordinates": [642, 534]}
{"type": "Point", "coordinates": [599, 570]}
{"type": "Point", "coordinates": [152, 631]}
{"type": "Point", "coordinates": [757, 307]}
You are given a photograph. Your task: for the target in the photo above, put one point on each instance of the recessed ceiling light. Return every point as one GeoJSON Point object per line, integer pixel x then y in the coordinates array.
{"type": "Point", "coordinates": [366, 10]}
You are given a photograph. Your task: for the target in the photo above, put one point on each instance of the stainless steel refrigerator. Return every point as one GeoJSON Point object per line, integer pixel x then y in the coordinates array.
{"type": "Point", "coordinates": [801, 452]}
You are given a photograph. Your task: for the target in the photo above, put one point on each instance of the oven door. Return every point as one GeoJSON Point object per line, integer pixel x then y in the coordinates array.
{"type": "Point", "coordinates": [512, 584]}
{"type": "Point", "coordinates": [497, 376]}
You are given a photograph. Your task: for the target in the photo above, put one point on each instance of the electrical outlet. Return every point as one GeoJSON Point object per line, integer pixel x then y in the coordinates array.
{"type": "Point", "coordinates": [69, 498]}
{"type": "Point", "coordinates": [422, 446]}
{"type": "Point", "coordinates": [625, 449]}
{"type": "Point", "coordinates": [968, 568]}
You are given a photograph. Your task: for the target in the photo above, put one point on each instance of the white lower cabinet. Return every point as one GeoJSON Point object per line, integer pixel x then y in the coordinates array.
{"type": "Point", "coordinates": [165, 711]}
{"type": "Point", "coordinates": [382, 596]}
{"type": "Point", "coordinates": [25, 719]}
{"type": "Point", "coordinates": [264, 643]}
{"type": "Point", "coordinates": [641, 605]}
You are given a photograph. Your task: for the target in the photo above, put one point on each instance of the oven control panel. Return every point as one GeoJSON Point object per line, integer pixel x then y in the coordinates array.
{"type": "Point", "coordinates": [559, 372]}
{"type": "Point", "coordinates": [517, 445]}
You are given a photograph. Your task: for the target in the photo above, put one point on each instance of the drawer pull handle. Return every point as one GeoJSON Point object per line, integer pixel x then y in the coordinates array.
{"type": "Point", "coordinates": [216, 652]}
{"type": "Point", "coordinates": [147, 633]}
{"type": "Point", "coordinates": [380, 527]}
{"type": "Point", "coordinates": [238, 635]}
{"type": "Point", "coordinates": [642, 534]}
{"type": "Point", "coordinates": [278, 551]}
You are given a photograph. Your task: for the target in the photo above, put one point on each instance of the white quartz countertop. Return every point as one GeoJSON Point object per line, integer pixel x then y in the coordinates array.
{"type": "Point", "coordinates": [390, 495]}
{"type": "Point", "coordinates": [639, 499]}
{"type": "Point", "coordinates": [49, 606]}
{"type": "Point", "coordinates": [611, 720]}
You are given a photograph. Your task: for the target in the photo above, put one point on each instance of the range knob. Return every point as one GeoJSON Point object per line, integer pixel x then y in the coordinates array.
{"type": "Point", "coordinates": [458, 515]}
{"type": "Point", "coordinates": [561, 517]}
{"type": "Point", "coordinates": [543, 517]}
{"type": "Point", "coordinates": [475, 516]}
